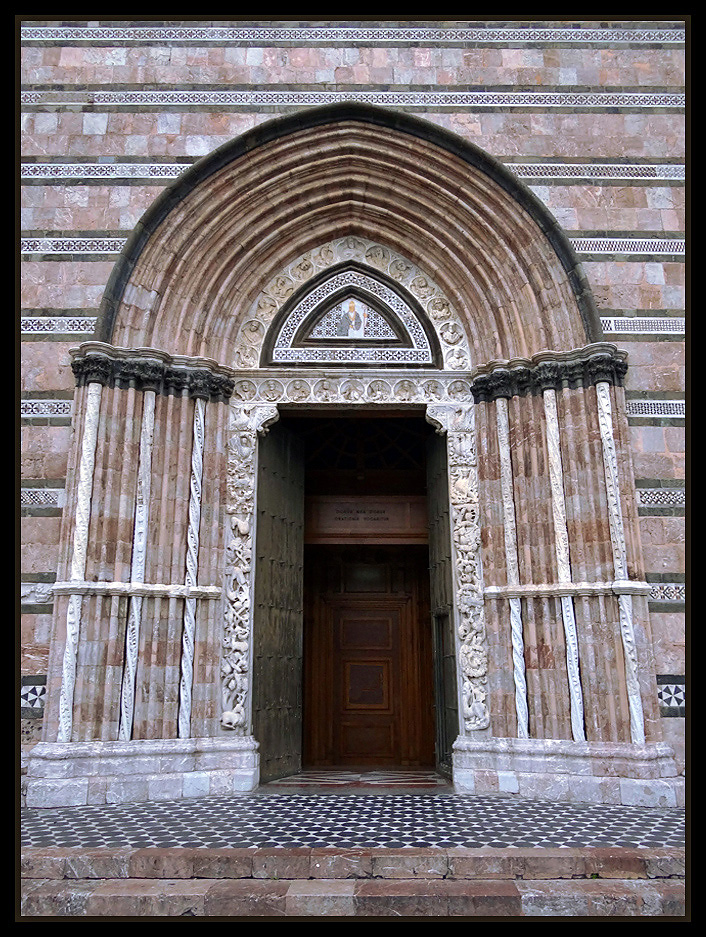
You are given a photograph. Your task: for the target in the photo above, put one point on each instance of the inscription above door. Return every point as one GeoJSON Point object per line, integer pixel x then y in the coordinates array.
{"type": "Point", "coordinates": [373, 519]}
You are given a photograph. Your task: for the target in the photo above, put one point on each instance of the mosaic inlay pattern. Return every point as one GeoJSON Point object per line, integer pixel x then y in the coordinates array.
{"type": "Point", "coordinates": [358, 819]}
{"type": "Point", "coordinates": [641, 325]}
{"type": "Point", "coordinates": [364, 322]}
{"type": "Point", "coordinates": [657, 497]}
{"type": "Point", "coordinates": [495, 99]}
{"type": "Point", "coordinates": [375, 34]}
{"type": "Point", "coordinates": [42, 497]}
{"type": "Point", "coordinates": [659, 408]}
{"type": "Point", "coordinates": [668, 592]}
{"type": "Point", "coordinates": [113, 245]}
{"type": "Point", "coordinates": [45, 408]}
{"type": "Point", "coordinates": [38, 325]}
{"type": "Point", "coordinates": [672, 172]}
{"type": "Point", "coordinates": [671, 694]}
{"type": "Point", "coordinates": [32, 696]}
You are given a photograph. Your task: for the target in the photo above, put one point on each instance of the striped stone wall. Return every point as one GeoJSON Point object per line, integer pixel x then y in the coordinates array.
{"type": "Point", "coordinates": [589, 116]}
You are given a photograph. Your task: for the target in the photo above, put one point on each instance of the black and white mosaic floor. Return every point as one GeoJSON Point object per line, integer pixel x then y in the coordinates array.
{"type": "Point", "coordinates": [353, 819]}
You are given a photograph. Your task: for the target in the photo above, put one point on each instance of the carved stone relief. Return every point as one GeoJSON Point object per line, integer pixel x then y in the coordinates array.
{"type": "Point", "coordinates": [245, 424]}
{"type": "Point", "coordinates": [452, 335]}
{"type": "Point", "coordinates": [458, 424]}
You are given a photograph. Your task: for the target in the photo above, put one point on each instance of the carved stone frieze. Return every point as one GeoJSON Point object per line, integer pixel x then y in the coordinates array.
{"type": "Point", "coordinates": [246, 422]}
{"type": "Point", "coordinates": [472, 646]}
{"type": "Point", "coordinates": [449, 326]}
{"type": "Point", "coordinates": [582, 367]}
{"type": "Point", "coordinates": [150, 370]}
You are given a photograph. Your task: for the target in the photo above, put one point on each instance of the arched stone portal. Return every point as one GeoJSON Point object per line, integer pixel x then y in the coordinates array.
{"type": "Point", "coordinates": [473, 312]}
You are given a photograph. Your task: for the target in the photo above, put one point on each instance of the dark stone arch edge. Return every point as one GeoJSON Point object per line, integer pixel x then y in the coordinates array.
{"type": "Point", "coordinates": [328, 114]}
{"type": "Point", "coordinates": [149, 369]}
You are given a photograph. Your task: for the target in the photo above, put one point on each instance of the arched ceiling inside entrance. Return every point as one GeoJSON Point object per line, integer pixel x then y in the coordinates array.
{"type": "Point", "coordinates": [210, 245]}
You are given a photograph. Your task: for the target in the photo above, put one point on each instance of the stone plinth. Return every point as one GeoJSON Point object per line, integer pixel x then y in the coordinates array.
{"type": "Point", "coordinates": [575, 772]}
{"type": "Point", "coordinates": [80, 773]}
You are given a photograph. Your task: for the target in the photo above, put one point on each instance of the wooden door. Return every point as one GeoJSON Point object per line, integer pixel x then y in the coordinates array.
{"type": "Point", "coordinates": [442, 611]}
{"type": "Point", "coordinates": [367, 649]}
{"type": "Point", "coordinates": [277, 612]}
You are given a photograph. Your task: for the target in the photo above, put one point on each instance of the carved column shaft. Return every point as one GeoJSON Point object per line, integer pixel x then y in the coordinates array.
{"type": "Point", "coordinates": [627, 630]}
{"type": "Point", "coordinates": [512, 566]}
{"type": "Point", "coordinates": [192, 555]}
{"type": "Point", "coordinates": [561, 545]}
{"type": "Point", "coordinates": [137, 568]}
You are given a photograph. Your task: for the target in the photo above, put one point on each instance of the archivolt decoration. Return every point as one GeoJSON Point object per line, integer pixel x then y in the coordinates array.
{"type": "Point", "coordinates": [375, 257]}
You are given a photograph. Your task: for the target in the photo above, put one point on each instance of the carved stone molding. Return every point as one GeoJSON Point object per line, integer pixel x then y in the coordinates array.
{"type": "Point", "coordinates": [246, 423]}
{"type": "Point", "coordinates": [371, 258]}
{"type": "Point", "coordinates": [472, 645]}
{"type": "Point", "coordinates": [582, 367]}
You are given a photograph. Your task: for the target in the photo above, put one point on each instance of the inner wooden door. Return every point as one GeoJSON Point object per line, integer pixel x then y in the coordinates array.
{"type": "Point", "coordinates": [368, 684]}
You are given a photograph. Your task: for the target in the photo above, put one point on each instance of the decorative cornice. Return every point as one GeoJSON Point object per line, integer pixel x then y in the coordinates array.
{"type": "Point", "coordinates": [583, 367]}
{"type": "Point", "coordinates": [149, 369]}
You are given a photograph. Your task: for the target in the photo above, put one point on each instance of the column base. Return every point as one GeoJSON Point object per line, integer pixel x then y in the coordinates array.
{"type": "Point", "coordinates": [572, 772]}
{"type": "Point", "coordinates": [71, 774]}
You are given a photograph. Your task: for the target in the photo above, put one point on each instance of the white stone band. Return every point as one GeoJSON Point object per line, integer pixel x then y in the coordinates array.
{"type": "Point", "coordinates": [152, 590]}
{"type": "Point", "coordinates": [84, 491]}
{"type": "Point", "coordinates": [561, 545]}
{"type": "Point", "coordinates": [192, 557]}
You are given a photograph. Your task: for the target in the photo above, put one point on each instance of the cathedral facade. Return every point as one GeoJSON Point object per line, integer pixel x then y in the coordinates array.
{"type": "Point", "coordinates": [353, 406]}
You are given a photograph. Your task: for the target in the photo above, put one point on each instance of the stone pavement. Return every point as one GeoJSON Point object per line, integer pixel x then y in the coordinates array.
{"type": "Point", "coordinates": [365, 847]}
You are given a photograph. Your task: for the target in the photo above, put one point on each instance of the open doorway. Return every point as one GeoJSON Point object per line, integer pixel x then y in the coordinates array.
{"type": "Point", "coordinates": [350, 669]}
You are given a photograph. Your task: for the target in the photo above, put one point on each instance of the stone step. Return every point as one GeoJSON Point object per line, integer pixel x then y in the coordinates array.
{"type": "Point", "coordinates": [610, 862]}
{"type": "Point", "coordinates": [133, 897]}
{"type": "Point", "coordinates": [125, 882]}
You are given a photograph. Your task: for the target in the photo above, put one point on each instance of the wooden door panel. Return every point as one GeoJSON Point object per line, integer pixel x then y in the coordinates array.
{"type": "Point", "coordinates": [368, 661]}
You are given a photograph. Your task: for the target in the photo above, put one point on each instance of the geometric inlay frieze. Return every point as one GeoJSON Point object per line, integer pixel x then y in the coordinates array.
{"type": "Point", "coordinates": [369, 34]}
{"type": "Point", "coordinates": [644, 325]}
{"type": "Point", "coordinates": [546, 172]}
{"type": "Point", "coordinates": [582, 245]}
{"type": "Point", "coordinates": [675, 409]}
{"type": "Point", "coordinates": [226, 97]}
